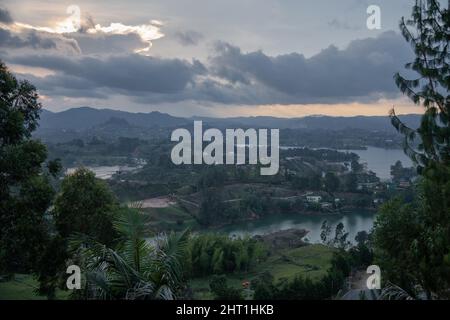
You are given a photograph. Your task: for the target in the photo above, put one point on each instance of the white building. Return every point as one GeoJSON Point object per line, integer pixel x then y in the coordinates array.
{"type": "Point", "coordinates": [314, 199]}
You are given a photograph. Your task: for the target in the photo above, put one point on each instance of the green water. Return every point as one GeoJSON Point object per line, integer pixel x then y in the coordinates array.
{"type": "Point", "coordinates": [353, 222]}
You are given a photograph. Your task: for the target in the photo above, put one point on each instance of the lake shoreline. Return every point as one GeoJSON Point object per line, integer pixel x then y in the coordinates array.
{"type": "Point", "coordinates": [354, 221]}
{"type": "Point", "coordinates": [348, 211]}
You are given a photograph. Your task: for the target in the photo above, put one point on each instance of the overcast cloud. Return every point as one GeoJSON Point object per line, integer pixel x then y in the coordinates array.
{"type": "Point", "coordinates": [278, 55]}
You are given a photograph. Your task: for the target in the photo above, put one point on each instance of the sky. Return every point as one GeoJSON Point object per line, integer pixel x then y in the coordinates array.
{"type": "Point", "coordinates": [284, 58]}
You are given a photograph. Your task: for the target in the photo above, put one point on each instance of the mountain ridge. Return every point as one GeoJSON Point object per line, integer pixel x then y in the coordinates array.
{"type": "Point", "coordinates": [82, 118]}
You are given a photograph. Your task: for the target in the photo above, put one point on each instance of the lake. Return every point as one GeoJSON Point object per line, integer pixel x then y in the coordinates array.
{"type": "Point", "coordinates": [105, 172]}
{"type": "Point", "coordinates": [353, 222]}
{"type": "Point", "coordinates": [380, 160]}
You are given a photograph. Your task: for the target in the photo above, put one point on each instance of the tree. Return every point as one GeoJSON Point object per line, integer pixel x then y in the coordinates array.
{"type": "Point", "coordinates": [419, 251]}
{"type": "Point", "coordinates": [135, 269]}
{"type": "Point", "coordinates": [315, 181]}
{"type": "Point", "coordinates": [85, 205]}
{"type": "Point", "coordinates": [217, 261]}
{"type": "Point", "coordinates": [325, 232]}
{"type": "Point", "coordinates": [362, 253]}
{"type": "Point", "coordinates": [351, 182]}
{"type": "Point", "coordinates": [221, 290]}
{"type": "Point", "coordinates": [356, 166]}
{"type": "Point", "coordinates": [212, 208]}
{"type": "Point", "coordinates": [214, 176]}
{"type": "Point", "coordinates": [331, 182]}
{"type": "Point", "coordinates": [25, 189]}
{"type": "Point", "coordinates": [263, 287]}
{"type": "Point", "coordinates": [397, 237]}
{"type": "Point", "coordinates": [428, 33]}
{"type": "Point", "coordinates": [361, 238]}
{"type": "Point", "coordinates": [220, 254]}
{"type": "Point", "coordinates": [340, 236]}
{"type": "Point", "coordinates": [300, 182]}
{"type": "Point", "coordinates": [398, 172]}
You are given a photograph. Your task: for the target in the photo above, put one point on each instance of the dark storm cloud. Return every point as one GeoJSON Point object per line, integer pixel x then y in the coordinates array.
{"type": "Point", "coordinates": [5, 16]}
{"type": "Point", "coordinates": [188, 38]}
{"type": "Point", "coordinates": [364, 68]}
{"type": "Point", "coordinates": [63, 86]}
{"type": "Point", "coordinates": [128, 74]}
{"type": "Point", "coordinates": [33, 40]}
{"type": "Point", "coordinates": [362, 72]}
{"type": "Point", "coordinates": [30, 39]}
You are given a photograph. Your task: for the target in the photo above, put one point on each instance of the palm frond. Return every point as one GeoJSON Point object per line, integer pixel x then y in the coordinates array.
{"type": "Point", "coordinates": [137, 269]}
{"type": "Point", "coordinates": [394, 292]}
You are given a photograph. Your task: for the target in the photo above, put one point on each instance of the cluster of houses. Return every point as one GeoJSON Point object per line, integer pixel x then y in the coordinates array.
{"type": "Point", "coordinates": [368, 189]}
{"type": "Point", "coordinates": [321, 201]}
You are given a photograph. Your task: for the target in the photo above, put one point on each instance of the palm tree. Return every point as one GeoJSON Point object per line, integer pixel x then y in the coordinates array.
{"type": "Point", "coordinates": [137, 268]}
{"type": "Point", "coordinates": [394, 292]}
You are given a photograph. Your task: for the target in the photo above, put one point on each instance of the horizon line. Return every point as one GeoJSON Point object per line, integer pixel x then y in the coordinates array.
{"type": "Point", "coordinates": [231, 117]}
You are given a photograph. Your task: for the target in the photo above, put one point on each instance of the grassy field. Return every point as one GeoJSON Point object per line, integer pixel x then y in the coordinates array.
{"type": "Point", "coordinates": [311, 261]}
{"type": "Point", "coordinates": [23, 287]}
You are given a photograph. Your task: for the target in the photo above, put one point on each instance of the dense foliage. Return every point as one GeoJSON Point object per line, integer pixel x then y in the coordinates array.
{"type": "Point", "coordinates": [134, 269]}
{"type": "Point", "coordinates": [222, 291]}
{"type": "Point", "coordinates": [25, 189]}
{"type": "Point", "coordinates": [218, 254]}
{"type": "Point", "coordinates": [85, 205]}
{"type": "Point", "coordinates": [413, 240]}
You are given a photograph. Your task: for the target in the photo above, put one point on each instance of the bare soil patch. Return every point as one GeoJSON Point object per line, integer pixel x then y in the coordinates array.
{"type": "Point", "coordinates": [159, 202]}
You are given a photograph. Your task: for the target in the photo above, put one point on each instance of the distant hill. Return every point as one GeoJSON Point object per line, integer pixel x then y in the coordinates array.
{"type": "Point", "coordinates": [81, 119]}
{"type": "Point", "coordinates": [115, 123]}
{"type": "Point", "coordinates": [371, 123]}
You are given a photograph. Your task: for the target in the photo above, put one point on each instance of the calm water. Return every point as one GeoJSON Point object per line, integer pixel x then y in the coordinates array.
{"type": "Point", "coordinates": [105, 172]}
{"type": "Point", "coordinates": [380, 160]}
{"type": "Point", "coordinates": [353, 222]}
